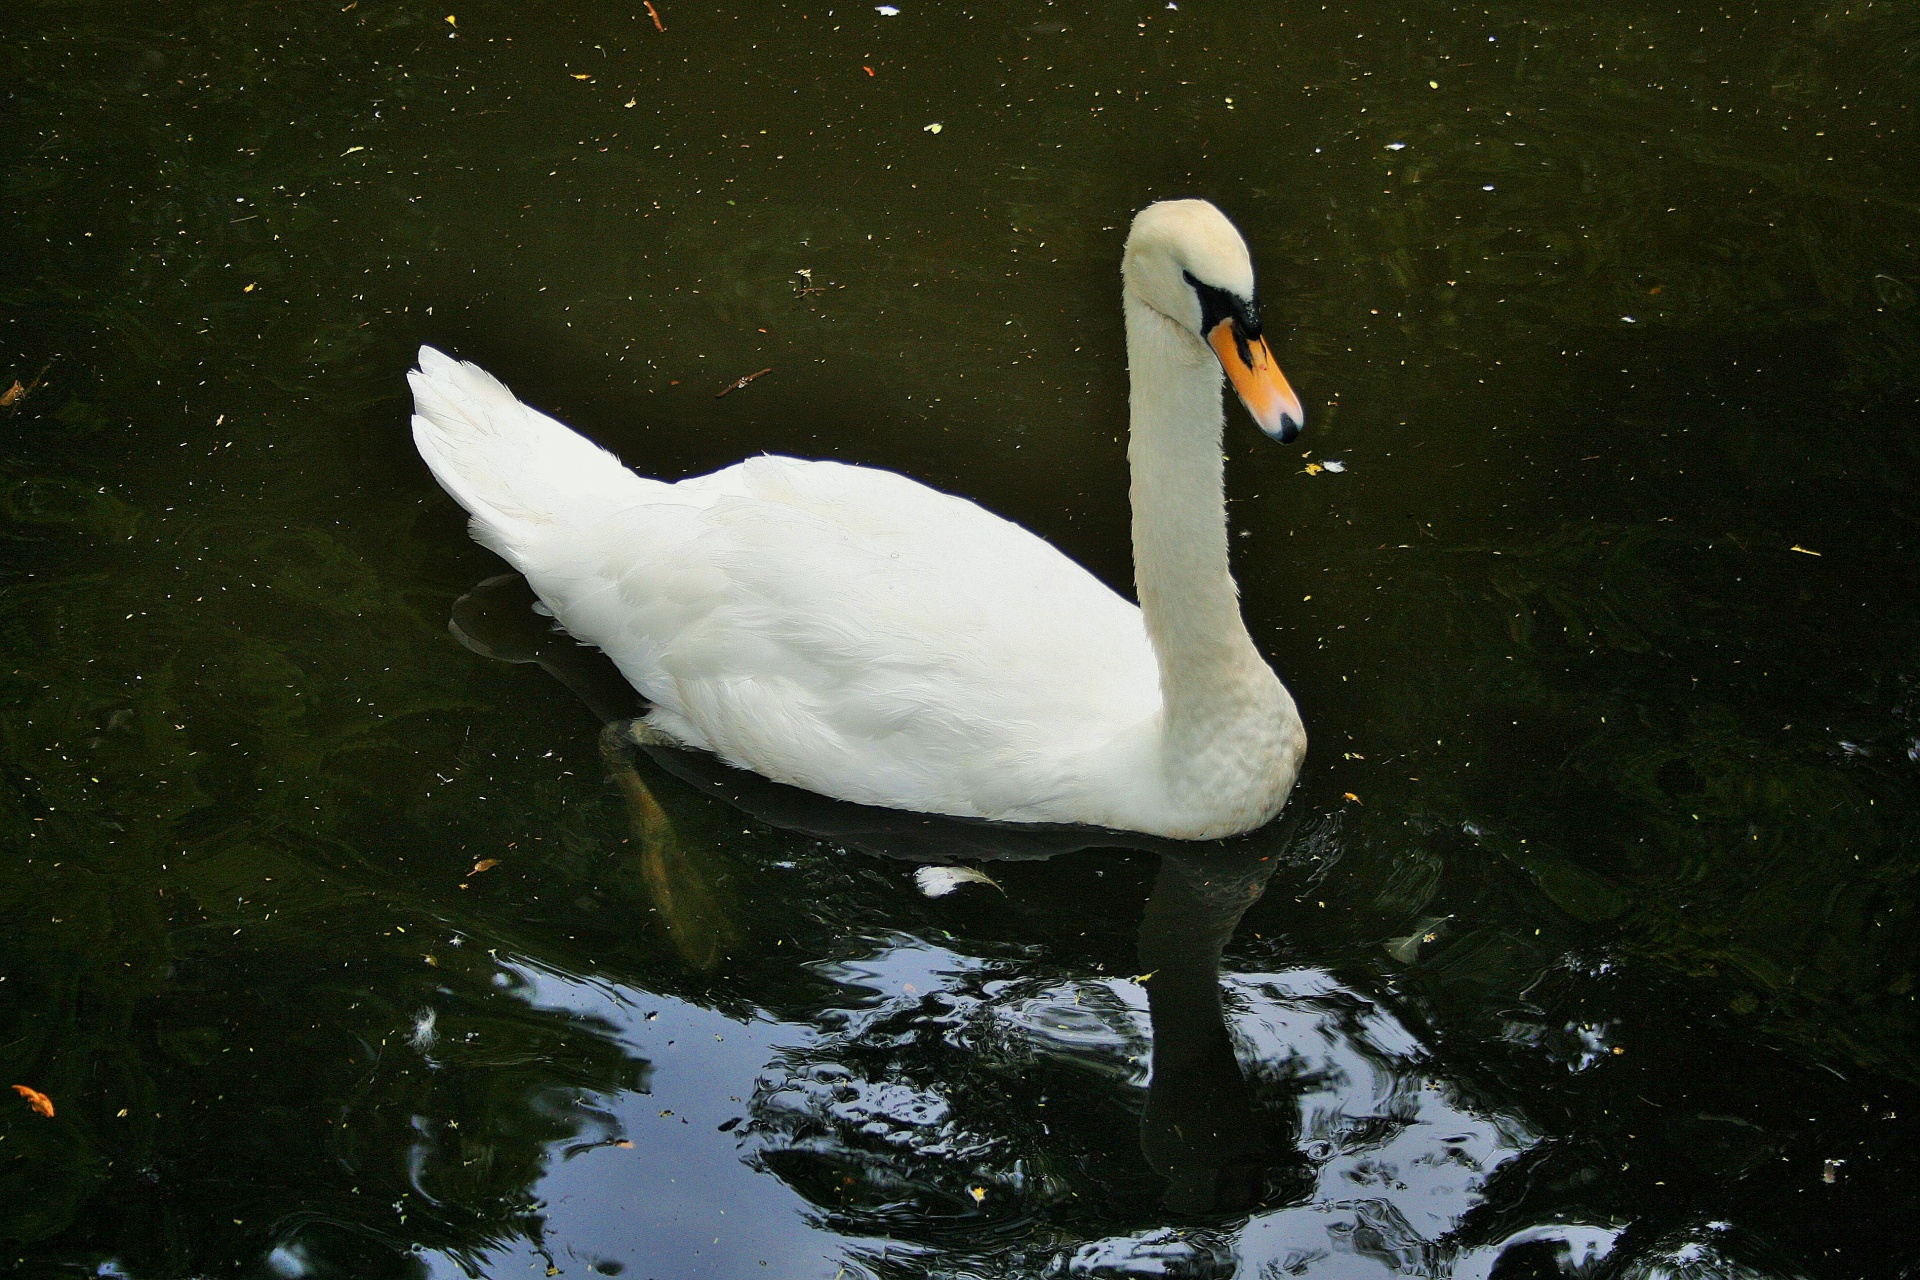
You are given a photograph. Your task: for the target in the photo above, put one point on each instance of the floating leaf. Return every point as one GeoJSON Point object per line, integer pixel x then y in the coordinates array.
{"type": "Point", "coordinates": [938, 882]}
{"type": "Point", "coordinates": [42, 1105]}
{"type": "Point", "coordinates": [485, 864]}
{"type": "Point", "coordinates": [14, 394]}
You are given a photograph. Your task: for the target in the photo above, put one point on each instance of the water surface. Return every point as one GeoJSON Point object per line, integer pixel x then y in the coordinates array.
{"type": "Point", "coordinates": [1586, 941]}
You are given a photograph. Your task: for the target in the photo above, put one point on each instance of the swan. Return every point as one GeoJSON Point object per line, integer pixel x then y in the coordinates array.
{"type": "Point", "coordinates": [850, 631]}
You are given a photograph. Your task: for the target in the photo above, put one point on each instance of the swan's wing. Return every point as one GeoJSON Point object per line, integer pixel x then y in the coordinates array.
{"type": "Point", "coordinates": [851, 631]}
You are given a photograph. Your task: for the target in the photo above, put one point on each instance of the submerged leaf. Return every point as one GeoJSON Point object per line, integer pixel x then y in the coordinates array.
{"type": "Point", "coordinates": [1406, 950]}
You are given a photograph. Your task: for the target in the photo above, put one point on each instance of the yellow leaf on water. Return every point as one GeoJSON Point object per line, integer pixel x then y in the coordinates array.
{"type": "Point", "coordinates": [485, 864]}
{"type": "Point", "coordinates": [1314, 468]}
{"type": "Point", "coordinates": [1802, 550]}
{"type": "Point", "coordinates": [41, 1104]}
{"type": "Point", "coordinates": [979, 1194]}
{"type": "Point", "coordinates": [581, 75]}
{"type": "Point", "coordinates": [451, 22]}
{"type": "Point", "coordinates": [1349, 795]}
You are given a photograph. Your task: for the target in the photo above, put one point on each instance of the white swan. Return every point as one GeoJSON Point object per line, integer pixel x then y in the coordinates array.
{"type": "Point", "coordinates": [856, 633]}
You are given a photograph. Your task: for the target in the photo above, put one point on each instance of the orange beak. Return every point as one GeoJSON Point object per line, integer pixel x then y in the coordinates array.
{"type": "Point", "coordinates": [1257, 380]}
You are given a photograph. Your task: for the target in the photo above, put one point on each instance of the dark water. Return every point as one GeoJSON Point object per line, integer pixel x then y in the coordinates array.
{"type": "Point", "coordinates": [1586, 944]}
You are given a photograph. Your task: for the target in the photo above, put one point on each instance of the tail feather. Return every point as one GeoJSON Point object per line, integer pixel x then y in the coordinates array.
{"type": "Point", "coordinates": [519, 473]}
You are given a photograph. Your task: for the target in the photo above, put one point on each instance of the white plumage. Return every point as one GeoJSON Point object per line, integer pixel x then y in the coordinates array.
{"type": "Point", "coordinates": [853, 632]}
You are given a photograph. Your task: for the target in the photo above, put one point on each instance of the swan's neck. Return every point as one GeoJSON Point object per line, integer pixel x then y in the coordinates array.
{"type": "Point", "coordinates": [1210, 673]}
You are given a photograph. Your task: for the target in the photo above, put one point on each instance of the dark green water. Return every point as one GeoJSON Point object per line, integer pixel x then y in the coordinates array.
{"type": "Point", "coordinates": [1590, 930]}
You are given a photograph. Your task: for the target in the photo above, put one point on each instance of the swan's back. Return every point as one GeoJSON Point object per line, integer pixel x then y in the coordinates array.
{"type": "Point", "coordinates": [853, 632]}
{"type": "Point", "coordinates": [839, 628]}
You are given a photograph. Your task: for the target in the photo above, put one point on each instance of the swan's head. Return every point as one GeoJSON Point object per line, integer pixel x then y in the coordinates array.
{"type": "Point", "coordinates": [1186, 261]}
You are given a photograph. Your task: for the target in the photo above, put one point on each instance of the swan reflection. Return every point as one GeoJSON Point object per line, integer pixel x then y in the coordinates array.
{"type": "Point", "coordinates": [1021, 1112]}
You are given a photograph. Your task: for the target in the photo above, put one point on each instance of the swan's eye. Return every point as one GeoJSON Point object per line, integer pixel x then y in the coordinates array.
{"type": "Point", "coordinates": [1218, 304]}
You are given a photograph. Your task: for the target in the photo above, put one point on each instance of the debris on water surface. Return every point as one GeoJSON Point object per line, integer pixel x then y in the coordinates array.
{"type": "Point", "coordinates": [485, 864]}
{"type": "Point", "coordinates": [979, 1194]}
{"type": "Point", "coordinates": [886, 10]}
{"type": "Point", "coordinates": [938, 882]}
{"type": "Point", "coordinates": [1406, 950]}
{"type": "Point", "coordinates": [1830, 1171]}
{"type": "Point", "coordinates": [13, 395]}
{"type": "Point", "coordinates": [42, 1105]}
{"type": "Point", "coordinates": [654, 14]}
{"type": "Point", "coordinates": [807, 288]}
{"type": "Point", "coordinates": [935, 127]}
{"type": "Point", "coordinates": [742, 381]}
{"type": "Point", "coordinates": [1314, 468]}
{"type": "Point", "coordinates": [1334, 465]}
{"type": "Point", "coordinates": [1802, 550]}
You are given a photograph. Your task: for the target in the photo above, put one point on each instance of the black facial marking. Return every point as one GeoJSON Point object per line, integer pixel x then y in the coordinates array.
{"type": "Point", "coordinates": [1219, 304]}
